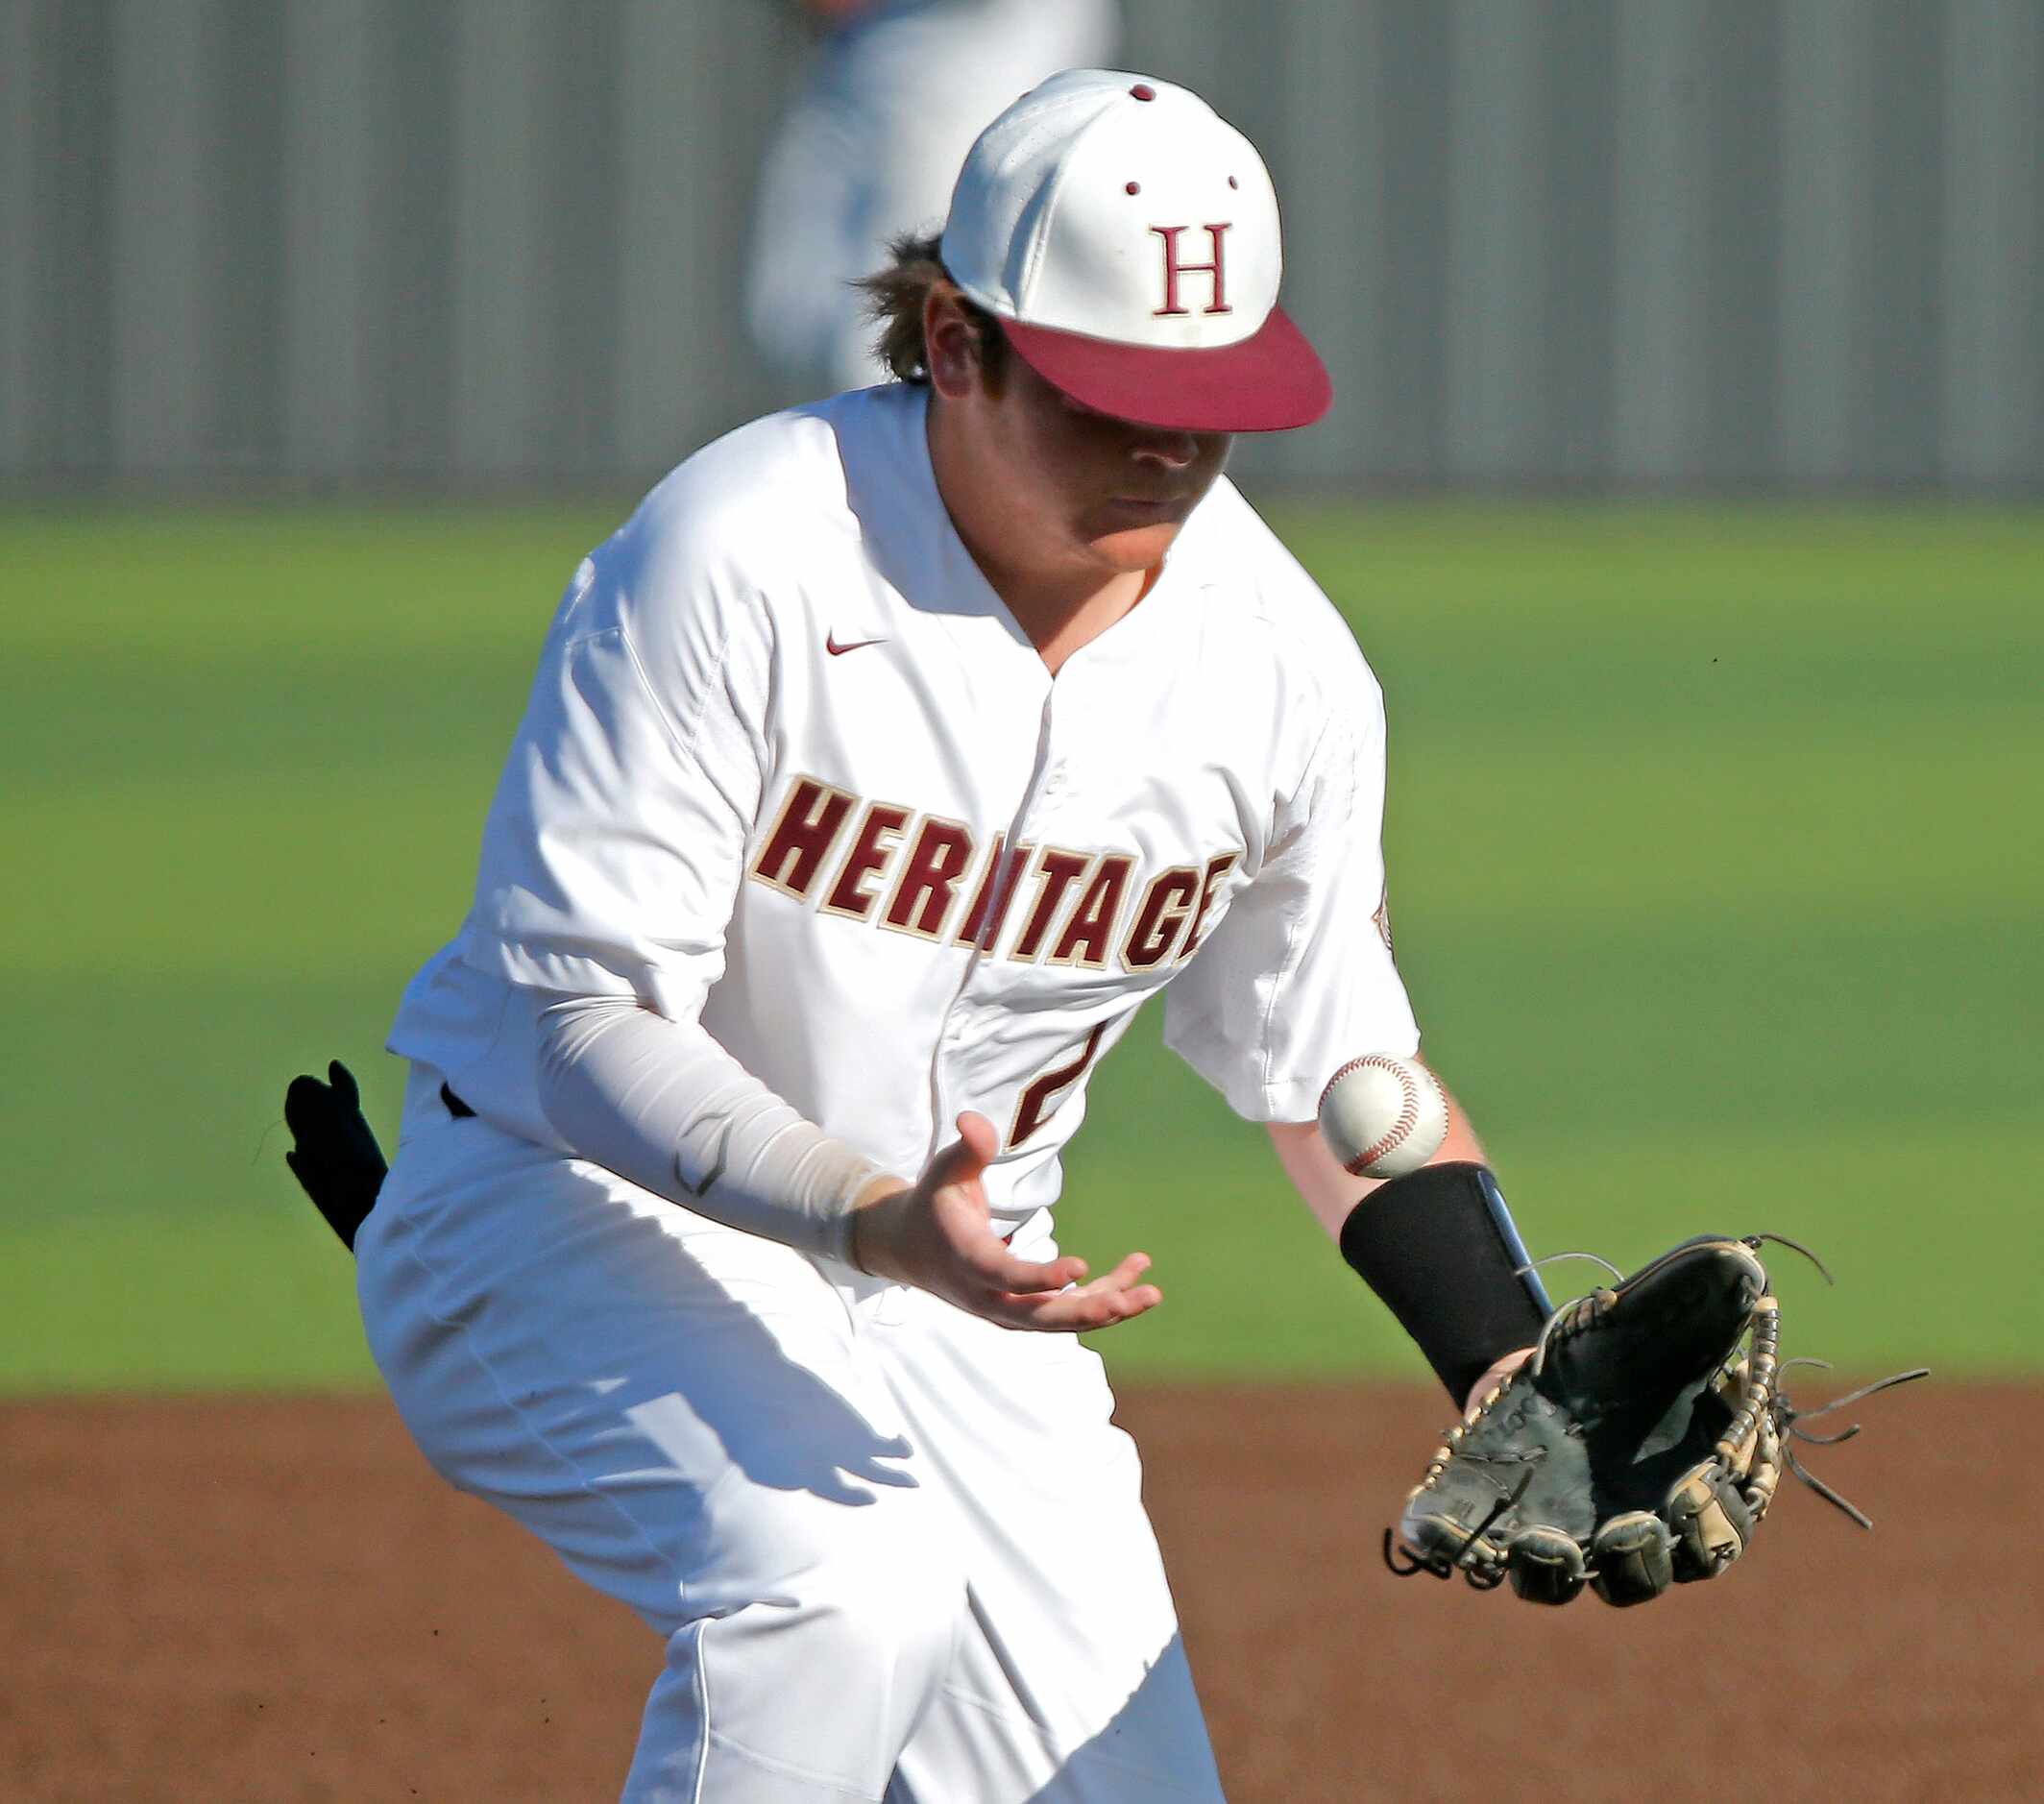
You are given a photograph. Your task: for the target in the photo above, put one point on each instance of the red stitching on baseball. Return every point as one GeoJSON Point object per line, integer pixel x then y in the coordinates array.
{"type": "Point", "coordinates": [1400, 1131]}
{"type": "Point", "coordinates": [1353, 1064]}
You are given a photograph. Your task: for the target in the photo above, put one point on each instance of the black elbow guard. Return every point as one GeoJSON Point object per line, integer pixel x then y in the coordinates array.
{"type": "Point", "coordinates": [1438, 1246]}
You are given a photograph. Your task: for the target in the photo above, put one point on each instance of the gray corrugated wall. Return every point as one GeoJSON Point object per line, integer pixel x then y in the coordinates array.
{"type": "Point", "coordinates": [1548, 243]}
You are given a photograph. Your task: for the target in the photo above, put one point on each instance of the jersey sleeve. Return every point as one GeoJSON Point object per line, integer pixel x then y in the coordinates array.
{"type": "Point", "coordinates": [1298, 977]}
{"type": "Point", "coordinates": [615, 843]}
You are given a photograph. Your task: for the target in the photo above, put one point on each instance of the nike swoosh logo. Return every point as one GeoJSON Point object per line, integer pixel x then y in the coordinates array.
{"type": "Point", "coordinates": [836, 650]}
{"type": "Point", "coordinates": [716, 1169]}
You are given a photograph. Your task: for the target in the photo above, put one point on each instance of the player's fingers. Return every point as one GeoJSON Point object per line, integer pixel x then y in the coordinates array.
{"type": "Point", "coordinates": [1121, 1283]}
{"type": "Point", "coordinates": [1083, 1312]}
{"type": "Point", "coordinates": [1117, 1297]}
{"type": "Point", "coordinates": [967, 1157]}
{"type": "Point", "coordinates": [1000, 1271]}
{"type": "Point", "coordinates": [978, 1137]}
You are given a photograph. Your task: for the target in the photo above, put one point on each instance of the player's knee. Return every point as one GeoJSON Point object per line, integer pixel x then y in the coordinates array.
{"type": "Point", "coordinates": [898, 1614]}
{"type": "Point", "coordinates": [874, 1587]}
{"type": "Point", "coordinates": [877, 1613]}
{"type": "Point", "coordinates": [811, 1687]}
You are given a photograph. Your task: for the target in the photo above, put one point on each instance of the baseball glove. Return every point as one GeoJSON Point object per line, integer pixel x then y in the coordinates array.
{"type": "Point", "coordinates": [1639, 1445]}
{"type": "Point", "coordinates": [334, 1155]}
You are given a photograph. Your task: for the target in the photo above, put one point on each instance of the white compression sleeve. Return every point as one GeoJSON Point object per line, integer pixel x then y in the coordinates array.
{"type": "Point", "coordinates": [661, 1104]}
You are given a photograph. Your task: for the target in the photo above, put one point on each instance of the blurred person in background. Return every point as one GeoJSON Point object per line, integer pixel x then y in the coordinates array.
{"type": "Point", "coordinates": [897, 92]}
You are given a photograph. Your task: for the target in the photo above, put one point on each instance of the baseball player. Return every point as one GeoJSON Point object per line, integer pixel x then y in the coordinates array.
{"type": "Point", "coordinates": [876, 772]}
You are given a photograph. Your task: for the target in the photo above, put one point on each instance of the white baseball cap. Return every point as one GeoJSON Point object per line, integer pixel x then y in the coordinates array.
{"type": "Point", "coordinates": [1126, 236]}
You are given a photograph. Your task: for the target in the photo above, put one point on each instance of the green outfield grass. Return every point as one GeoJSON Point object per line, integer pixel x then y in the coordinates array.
{"type": "Point", "coordinates": [1714, 863]}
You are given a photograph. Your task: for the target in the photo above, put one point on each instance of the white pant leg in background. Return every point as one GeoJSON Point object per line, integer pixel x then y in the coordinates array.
{"type": "Point", "coordinates": [861, 1528]}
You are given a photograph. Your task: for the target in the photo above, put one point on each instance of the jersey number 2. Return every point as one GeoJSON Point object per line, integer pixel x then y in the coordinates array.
{"type": "Point", "coordinates": [1043, 1096]}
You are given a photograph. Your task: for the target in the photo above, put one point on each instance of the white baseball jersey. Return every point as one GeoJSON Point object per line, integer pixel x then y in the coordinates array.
{"type": "Point", "coordinates": [790, 767]}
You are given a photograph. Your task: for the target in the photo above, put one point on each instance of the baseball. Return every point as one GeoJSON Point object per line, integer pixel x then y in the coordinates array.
{"type": "Point", "coordinates": [1384, 1117]}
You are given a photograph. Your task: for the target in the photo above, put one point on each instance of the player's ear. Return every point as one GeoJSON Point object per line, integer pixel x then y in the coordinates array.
{"type": "Point", "coordinates": [950, 343]}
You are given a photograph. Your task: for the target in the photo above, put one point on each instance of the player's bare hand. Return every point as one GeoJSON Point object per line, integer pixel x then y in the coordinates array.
{"type": "Point", "coordinates": [938, 1234]}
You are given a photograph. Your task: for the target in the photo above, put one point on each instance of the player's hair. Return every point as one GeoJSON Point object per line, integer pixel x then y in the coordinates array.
{"type": "Point", "coordinates": [895, 298]}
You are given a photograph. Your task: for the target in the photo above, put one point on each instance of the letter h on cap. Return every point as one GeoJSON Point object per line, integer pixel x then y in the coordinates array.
{"type": "Point", "coordinates": [1173, 269]}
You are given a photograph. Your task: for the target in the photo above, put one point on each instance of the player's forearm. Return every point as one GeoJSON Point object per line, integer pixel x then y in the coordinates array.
{"type": "Point", "coordinates": [1439, 1249]}
{"type": "Point", "coordinates": [1333, 1193]}
{"type": "Point", "coordinates": [661, 1104]}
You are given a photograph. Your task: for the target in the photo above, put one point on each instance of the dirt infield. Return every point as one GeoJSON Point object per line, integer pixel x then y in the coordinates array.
{"type": "Point", "coordinates": [255, 1600]}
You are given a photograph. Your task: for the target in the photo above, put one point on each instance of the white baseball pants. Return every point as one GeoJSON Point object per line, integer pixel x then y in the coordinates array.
{"type": "Point", "coordinates": [894, 1551]}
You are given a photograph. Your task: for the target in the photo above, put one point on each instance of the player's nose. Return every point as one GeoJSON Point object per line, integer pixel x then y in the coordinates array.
{"type": "Point", "coordinates": [1167, 449]}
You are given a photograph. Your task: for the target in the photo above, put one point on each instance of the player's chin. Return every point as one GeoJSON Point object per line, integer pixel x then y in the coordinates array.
{"type": "Point", "coordinates": [1125, 544]}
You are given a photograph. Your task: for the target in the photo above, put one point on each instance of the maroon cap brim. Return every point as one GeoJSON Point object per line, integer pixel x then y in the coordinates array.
{"type": "Point", "coordinates": [1270, 382]}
